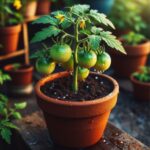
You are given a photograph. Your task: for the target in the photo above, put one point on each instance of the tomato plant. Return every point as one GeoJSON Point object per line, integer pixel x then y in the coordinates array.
{"type": "Point", "coordinates": [103, 62]}
{"type": "Point", "coordinates": [60, 52]}
{"type": "Point", "coordinates": [77, 34]}
{"type": "Point", "coordinates": [45, 66]}
{"type": "Point", "coordinates": [69, 64]}
{"type": "Point", "coordinates": [83, 73]}
{"type": "Point", "coordinates": [87, 59]}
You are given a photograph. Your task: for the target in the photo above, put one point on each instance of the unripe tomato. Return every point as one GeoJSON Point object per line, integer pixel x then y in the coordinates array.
{"type": "Point", "coordinates": [103, 62]}
{"type": "Point", "coordinates": [60, 53]}
{"type": "Point", "coordinates": [87, 59]}
{"type": "Point", "coordinates": [69, 64]}
{"type": "Point", "coordinates": [45, 66]}
{"type": "Point", "coordinates": [83, 73]}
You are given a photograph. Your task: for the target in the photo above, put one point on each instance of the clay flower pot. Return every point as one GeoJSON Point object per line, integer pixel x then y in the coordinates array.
{"type": "Point", "coordinates": [9, 38]}
{"type": "Point", "coordinates": [43, 7]}
{"type": "Point", "coordinates": [30, 9]}
{"type": "Point", "coordinates": [125, 65]}
{"type": "Point", "coordinates": [21, 76]}
{"type": "Point", "coordinates": [141, 90]}
{"type": "Point", "coordinates": [76, 124]}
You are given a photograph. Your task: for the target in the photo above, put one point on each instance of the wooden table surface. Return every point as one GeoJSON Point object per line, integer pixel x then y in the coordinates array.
{"type": "Point", "coordinates": [33, 134]}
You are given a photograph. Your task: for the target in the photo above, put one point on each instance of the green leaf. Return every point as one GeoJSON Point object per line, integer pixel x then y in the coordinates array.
{"type": "Point", "coordinates": [101, 18]}
{"type": "Point", "coordinates": [96, 30]}
{"type": "Point", "coordinates": [17, 115]}
{"type": "Point", "coordinates": [46, 20]}
{"type": "Point", "coordinates": [94, 41]}
{"type": "Point", "coordinates": [111, 41]}
{"type": "Point", "coordinates": [45, 33]}
{"type": "Point", "coordinates": [6, 134]}
{"type": "Point", "coordinates": [80, 9]}
{"type": "Point", "coordinates": [66, 24]}
{"type": "Point", "coordinates": [10, 125]}
{"type": "Point", "coordinates": [21, 105]}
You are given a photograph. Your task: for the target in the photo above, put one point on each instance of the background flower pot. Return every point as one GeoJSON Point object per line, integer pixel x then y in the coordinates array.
{"type": "Point", "coordinates": [9, 38]}
{"type": "Point", "coordinates": [30, 9]}
{"type": "Point", "coordinates": [103, 6]}
{"type": "Point", "coordinates": [76, 124]}
{"type": "Point", "coordinates": [43, 7]}
{"type": "Point", "coordinates": [21, 76]}
{"type": "Point", "coordinates": [141, 90]}
{"type": "Point", "coordinates": [124, 65]}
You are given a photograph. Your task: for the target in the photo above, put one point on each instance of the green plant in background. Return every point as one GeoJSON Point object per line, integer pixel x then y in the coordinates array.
{"type": "Point", "coordinates": [133, 38]}
{"type": "Point", "coordinates": [85, 45]}
{"type": "Point", "coordinates": [143, 75]}
{"type": "Point", "coordinates": [10, 12]}
{"type": "Point", "coordinates": [7, 113]}
{"type": "Point", "coordinates": [126, 14]}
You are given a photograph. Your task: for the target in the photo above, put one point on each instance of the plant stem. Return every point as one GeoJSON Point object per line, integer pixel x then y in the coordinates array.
{"type": "Point", "coordinates": [75, 72]}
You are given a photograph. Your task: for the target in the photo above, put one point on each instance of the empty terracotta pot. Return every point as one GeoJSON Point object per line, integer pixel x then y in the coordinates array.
{"type": "Point", "coordinates": [125, 65]}
{"type": "Point", "coordinates": [9, 38]}
{"type": "Point", "coordinates": [30, 9]}
{"type": "Point", "coordinates": [76, 124]}
{"type": "Point", "coordinates": [141, 90]}
{"type": "Point", "coordinates": [43, 7]}
{"type": "Point", "coordinates": [21, 76]}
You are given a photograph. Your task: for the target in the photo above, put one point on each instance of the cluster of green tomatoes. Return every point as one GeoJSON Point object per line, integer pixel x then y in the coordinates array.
{"type": "Point", "coordinates": [62, 54]}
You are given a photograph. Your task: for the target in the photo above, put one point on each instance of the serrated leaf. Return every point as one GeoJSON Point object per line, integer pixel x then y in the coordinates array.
{"type": "Point", "coordinates": [55, 13]}
{"type": "Point", "coordinates": [96, 30]}
{"type": "Point", "coordinates": [101, 18]}
{"type": "Point", "coordinates": [66, 24]}
{"type": "Point", "coordinates": [9, 125]}
{"type": "Point", "coordinates": [21, 105]}
{"type": "Point", "coordinates": [6, 134]}
{"type": "Point", "coordinates": [39, 53]}
{"type": "Point", "coordinates": [94, 41]}
{"type": "Point", "coordinates": [45, 33]}
{"type": "Point", "coordinates": [46, 20]}
{"type": "Point", "coordinates": [80, 9]}
{"type": "Point", "coordinates": [111, 41]}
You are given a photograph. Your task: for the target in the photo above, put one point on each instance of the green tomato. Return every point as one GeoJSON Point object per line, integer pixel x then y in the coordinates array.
{"type": "Point", "coordinates": [45, 66]}
{"type": "Point", "coordinates": [83, 73]}
{"type": "Point", "coordinates": [69, 64]}
{"type": "Point", "coordinates": [103, 62]}
{"type": "Point", "coordinates": [60, 53]}
{"type": "Point", "coordinates": [87, 59]}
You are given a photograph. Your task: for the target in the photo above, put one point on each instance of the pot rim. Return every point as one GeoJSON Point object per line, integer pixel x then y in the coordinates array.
{"type": "Point", "coordinates": [74, 103]}
{"type": "Point", "coordinates": [7, 28]}
{"type": "Point", "coordinates": [139, 45]}
{"type": "Point", "coordinates": [9, 67]}
{"type": "Point", "coordinates": [134, 80]}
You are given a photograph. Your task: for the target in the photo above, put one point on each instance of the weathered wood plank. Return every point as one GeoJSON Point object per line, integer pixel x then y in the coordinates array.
{"type": "Point", "coordinates": [34, 135]}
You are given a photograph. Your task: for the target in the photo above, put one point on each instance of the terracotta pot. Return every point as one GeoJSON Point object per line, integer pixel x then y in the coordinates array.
{"type": "Point", "coordinates": [141, 90]}
{"type": "Point", "coordinates": [125, 65]}
{"type": "Point", "coordinates": [30, 10]}
{"type": "Point", "coordinates": [43, 7]}
{"type": "Point", "coordinates": [76, 124]}
{"type": "Point", "coordinates": [21, 76]}
{"type": "Point", "coordinates": [9, 38]}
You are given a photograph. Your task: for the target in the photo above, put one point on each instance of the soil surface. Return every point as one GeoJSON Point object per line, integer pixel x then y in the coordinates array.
{"type": "Point", "coordinates": [93, 87]}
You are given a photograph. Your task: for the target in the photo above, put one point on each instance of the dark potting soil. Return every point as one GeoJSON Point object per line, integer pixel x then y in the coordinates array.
{"type": "Point", "coordinates": [93, 87]}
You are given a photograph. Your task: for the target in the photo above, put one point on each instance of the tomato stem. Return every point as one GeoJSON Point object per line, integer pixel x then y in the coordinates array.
{"type": "Point", "coordinates": [75, 72]}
